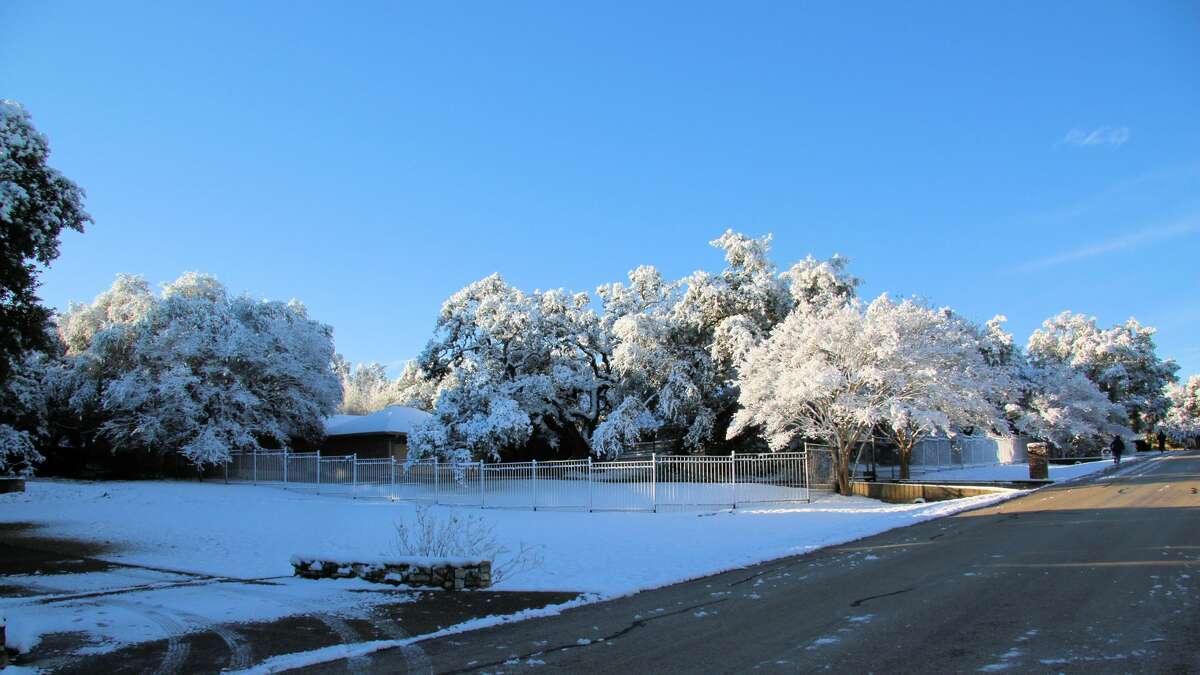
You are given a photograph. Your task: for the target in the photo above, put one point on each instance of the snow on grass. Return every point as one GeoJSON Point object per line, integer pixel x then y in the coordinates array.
{"type": "Point", "coordinates": [111, 622]}
{"type": "Point", "coordinates": [252, 532]}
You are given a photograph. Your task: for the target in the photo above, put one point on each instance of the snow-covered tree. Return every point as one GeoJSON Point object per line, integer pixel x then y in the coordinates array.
{"type": "Point", "coordinates": [836, 374]}
{"type": "Point", "coordinates": [197, 371]}
{"type": "Point", "coordinates": [1062, 406]}
{"type": "Point", "coordinates": [511, 368]}
{"type": "Point", "coordinates": [943, 382]}
{"type": "Point", "coordinates": [415, 387]}
{"type": "Point", "coordinates": [1182, 422]}
{"type": "Point", "coordinates": [507, 369]}
{"type": "Point", "coordinates": [366, 387]}
{"type": "Point", "coordinates": [1048, 400]}
{"type": "Point", "coordinates": [24, 404]}
{"type": "Point", "coordinates": [1121, 360]}
{"type": "Point", "coordinates": [677, 344]}
{"type": "Point", "coordinates": [36, 203]}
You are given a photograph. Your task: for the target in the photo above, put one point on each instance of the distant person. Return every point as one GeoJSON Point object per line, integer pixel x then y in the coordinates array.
{"type": "Point", "coordinates": [1117, 446]}
{"type": "Point", "coordinates": [1162, 441]}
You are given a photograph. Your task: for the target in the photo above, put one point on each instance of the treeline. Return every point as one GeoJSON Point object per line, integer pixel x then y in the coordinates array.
{"type": "Point", "coordinates": [753, 357]}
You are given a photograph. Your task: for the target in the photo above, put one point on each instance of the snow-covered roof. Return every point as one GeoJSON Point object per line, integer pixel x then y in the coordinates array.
{"type": "Point", "coordinates": [396, 419]}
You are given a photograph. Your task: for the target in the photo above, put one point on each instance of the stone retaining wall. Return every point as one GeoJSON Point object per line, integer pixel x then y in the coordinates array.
{"type": "Point", "coordinates": [452, 575]}
{"type": "Point", "coordinates": [906, 493]}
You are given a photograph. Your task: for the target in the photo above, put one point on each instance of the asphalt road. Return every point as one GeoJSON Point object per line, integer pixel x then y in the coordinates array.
{"type": "Point", "coordinates": [1095, 576]}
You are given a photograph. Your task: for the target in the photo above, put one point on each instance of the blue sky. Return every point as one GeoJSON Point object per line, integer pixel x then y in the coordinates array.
{"type": "Point", "coordinates": [372, 159]}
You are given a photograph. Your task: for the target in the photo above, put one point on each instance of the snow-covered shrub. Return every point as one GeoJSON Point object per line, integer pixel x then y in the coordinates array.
{"type": "Point", "coordinates": [456, 535]}
{"type": "Point", "coordinates": [18, 456]}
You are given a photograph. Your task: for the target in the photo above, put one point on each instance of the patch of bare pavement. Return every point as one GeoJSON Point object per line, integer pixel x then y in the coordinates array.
{"type": "Point", "coordinates": [1099, 575]}
{"type": "Point", "coordinates": [213, 648]}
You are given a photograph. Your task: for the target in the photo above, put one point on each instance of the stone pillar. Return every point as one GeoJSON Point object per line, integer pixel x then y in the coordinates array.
{"type": "Point", "coordinates": [1039, 467]}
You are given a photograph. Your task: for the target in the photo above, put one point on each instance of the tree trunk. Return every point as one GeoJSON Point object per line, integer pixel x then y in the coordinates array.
{"type": "Point", "coordinates": [843, 468]}
{"type": "Point", "coordinates": [905, 460]}
{"type": "Point", "coordinates": [571, 443]}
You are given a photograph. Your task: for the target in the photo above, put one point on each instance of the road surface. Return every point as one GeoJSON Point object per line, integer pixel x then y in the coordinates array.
{"type": "Point", "coordinates": [1093, 576]}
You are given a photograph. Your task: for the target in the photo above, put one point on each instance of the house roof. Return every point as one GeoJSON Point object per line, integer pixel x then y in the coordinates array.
{"type": "Point", "coordinates": [396, 419]}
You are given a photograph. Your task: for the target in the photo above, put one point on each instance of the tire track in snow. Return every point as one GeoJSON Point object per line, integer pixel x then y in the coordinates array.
{"type": "Point", "coordinates": [338, 626]}
{"type": "Point", "coordinates": [177, 650]}
{"type": "Point", "coordinates": [415, 658]}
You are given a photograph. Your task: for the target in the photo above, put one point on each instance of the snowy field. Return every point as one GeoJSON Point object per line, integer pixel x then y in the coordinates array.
{"type": "Point", "coordinates": [250, 532]}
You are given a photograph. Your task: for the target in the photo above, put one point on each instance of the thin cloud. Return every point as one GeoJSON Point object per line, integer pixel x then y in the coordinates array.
{"type": "Point", "coordinates": [1082, 138]}
{"type": "Point", "coordinates": [1122, 243]}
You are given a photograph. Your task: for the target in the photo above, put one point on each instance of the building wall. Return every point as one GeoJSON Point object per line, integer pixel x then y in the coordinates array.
{"type": "Point", "coordinates": [367, 446]}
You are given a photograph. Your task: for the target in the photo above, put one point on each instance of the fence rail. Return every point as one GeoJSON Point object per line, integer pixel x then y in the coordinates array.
{"type": "Point", "coordinates": [660, 482]}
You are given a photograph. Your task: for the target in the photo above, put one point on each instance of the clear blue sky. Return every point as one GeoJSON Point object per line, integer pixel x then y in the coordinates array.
{"type": "Point", "coordinates": [370, 159]}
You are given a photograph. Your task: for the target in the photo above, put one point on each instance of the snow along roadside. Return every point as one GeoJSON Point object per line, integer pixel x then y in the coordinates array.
{"type": "Point", "coordinates": [285, 662]}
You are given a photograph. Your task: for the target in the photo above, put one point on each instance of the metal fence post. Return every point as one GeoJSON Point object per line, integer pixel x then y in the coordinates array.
{"type": "Point", "coordinates": [589, 484]}
{"type": "Point", "coordinates": [733, 476]}
{"type": "Point", "coordinates": [285, 463]}
{"type": "Point", "coordinates": [392, 476]}
{"type": "Point", "coordinates": [436, 496]}
{"type": "Point", "coordinates": [807, 476]}
{"type": "Point", "coordinates": [354, 476]}
{"type": "Point", "coordinates": [254, 469]}
{"type": "Point", "coordinates": [654, 482]}
{"type": "Point", "coordinates": [318, 472]}
{"type": "Point", "coordinates": [535, 485]}
{"type": "Point", "coordinates": [482, 500]}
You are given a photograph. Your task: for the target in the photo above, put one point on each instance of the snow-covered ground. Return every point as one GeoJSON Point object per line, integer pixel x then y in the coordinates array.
{"type": "Point", "coordinates": [1005, 472]}
{"type": "Point", "coordinates": [250, 532]}
{"type": "Point", "coordinates": [111, 622]}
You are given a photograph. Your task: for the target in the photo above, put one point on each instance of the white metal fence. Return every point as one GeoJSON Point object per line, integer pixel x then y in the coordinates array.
{"type": "Point", "coordinates": [664, 482]}
{"type": "Point", "coordinates": [940, 452]}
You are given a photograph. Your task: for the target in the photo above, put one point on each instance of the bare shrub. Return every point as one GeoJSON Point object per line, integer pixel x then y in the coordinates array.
{"type": "Point", "coordinates": [456, 535]}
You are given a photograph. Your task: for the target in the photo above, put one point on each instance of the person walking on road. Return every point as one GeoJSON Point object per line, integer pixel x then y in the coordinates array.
{"type": "Point", "coordinates": [1162, 441]}
{"type": "Point", "coordinates": [1117, 446]}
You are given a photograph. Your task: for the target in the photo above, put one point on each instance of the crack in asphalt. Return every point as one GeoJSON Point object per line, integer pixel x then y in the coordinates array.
{"type": "Point", "coordinates": [637, 623]}
{"type": "Point", "coordinates": [860, 601]}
